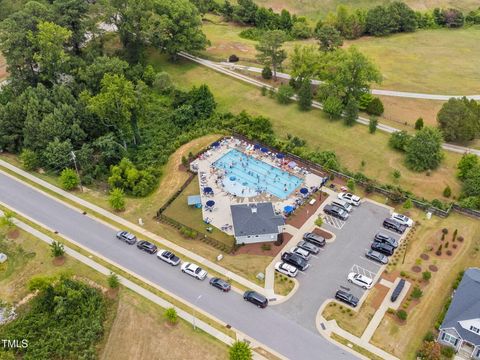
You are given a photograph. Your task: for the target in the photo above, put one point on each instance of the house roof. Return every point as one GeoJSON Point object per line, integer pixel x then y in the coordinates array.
{"type": "Point", "coordinates": [465, 305]}
{"type": "Point", "coordinates": [255, 219]}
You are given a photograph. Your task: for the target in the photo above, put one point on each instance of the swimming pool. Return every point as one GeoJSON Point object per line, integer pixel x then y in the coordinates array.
{"type": "Point", "coordinates": [247, 176]}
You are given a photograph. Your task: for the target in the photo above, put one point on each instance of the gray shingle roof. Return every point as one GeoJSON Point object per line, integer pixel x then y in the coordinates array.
{"type": "Point", "coordinates": [465, 305]}
{"type": "Point", "coordinates": [248, 221]}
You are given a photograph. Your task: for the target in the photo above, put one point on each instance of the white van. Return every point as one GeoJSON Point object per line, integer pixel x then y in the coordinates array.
{"type": "Point", "coordinates": [342, 205]}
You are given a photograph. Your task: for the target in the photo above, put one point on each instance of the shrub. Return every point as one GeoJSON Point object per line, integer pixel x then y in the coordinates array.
{"type": "Point", "coordinates": [351, 184]}
{"type": "Point", "coordinates": [440, 247]}
{"type": "Point", "coordinates": [457, 280]}
{"type": "Point", "coordinates": [133, 181]}
{"type": "Point", "coordinates": [116, 199]}
{"type": "Point", "coordinates": [233, 58]}
{"type": "Point", "coordinates": [69, 179]}
{"type": "Point", "coordinates": [391, 311]}
{"type": "Point", "coordinates": [402, 314]}
{"type": "Point", "coordinates": [408, 204]}
{"type": "Point", "coordinates": [429, 336]}
{"type": "Point", "coordinates": [171, 315]}
{"type": "Point", "coordinates": [266, 247]}
{"type": "Point", "coordinates": [449, 252]}
{"type": "Point", "coordinates": [184, 161]}
{"type": "Point", "coordinates": [113, 281]}
{"type": "Point", "coordinates": [372, 124]}
{"type": "Point", "coordinates": [267, 73]}
{"type": "Point", "coordinates": [333, 106]}
{"type": "Point", "coordinates": [57, 249]}
{"type": "Point", "coordinates": [419, 124]}
{"type": "Point", "coordinates": [447, 351]}
{"type": "Point", "coordinates": [264, 91]}
{"type": "Point", "coordinates": [399, 140]}
{"type": "Point", "coordinates": [285, 92]}
{"type": "Point", "coordinates": [417, 293]}
{"type": "Point", "coordinates": [447, 192]}
{"type": "Point", "coordinates": [240, 350]}
{"type": "Point", "coordinates": [396, 174]}
{"type": "Point", "coordinates": [375, 107]}
{"type": "Point", "coordinates": [29, 159]}
{"type": "Point", "coordinates": [454, 235]}
{"type": "Point", "coordinates": [446, 245]}
{"type": "Point", "coordinates": [445, 231]}
{"type": "Point", "coordinates": [319, 222]}
{"type": "Point", "coordinates": [460, 238]}
{"type": "Point", "coordinates": [426, 275]}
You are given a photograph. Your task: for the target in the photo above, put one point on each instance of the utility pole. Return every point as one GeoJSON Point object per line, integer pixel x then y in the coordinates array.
{"type": "Point", "coordinates": [74, 158]}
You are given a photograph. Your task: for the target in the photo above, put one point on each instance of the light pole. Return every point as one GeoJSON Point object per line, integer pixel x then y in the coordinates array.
{"type": "Point", "coordinates": [74, 158]}
{"type": "Point", "coordinates": [194, 306]}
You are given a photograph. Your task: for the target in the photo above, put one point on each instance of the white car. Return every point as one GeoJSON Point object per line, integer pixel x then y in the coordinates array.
{"type": "Point", "coordinates": [301, 252]}
{"type": "Point", "coordinates": [168, 257]}
{"type": "Point", "coordinates": [286, 269]}
{"type": "Point", "coordinates": [194, 270]}
{"type": "Point", "coordinates": [349, 198]}
{"type": "Point", "coordinates": [402, 219]}
{"type": "Point", "coordinates": [360, 280]}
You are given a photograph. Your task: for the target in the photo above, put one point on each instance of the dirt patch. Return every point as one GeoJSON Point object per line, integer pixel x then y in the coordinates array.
{"type": "Point", "coordinates": [58, 261]}
{"type": "Point", "coordinates": [112, 293]}
{"type": "Point", "coordinates": [392, 276]}
{"type": "Point", "coordinates": [13, 234]}
{"type": "Point", "coordinates": [323, 233]}
{"type": "Point", "coordinates": [424, 257]}
{"type": "Point", "coordinates": [380, 293]}
{"type": "Point", "coordinates": [416, 269]}
{"type": "Point", "coordinates": [433, 268]}
{"type": "Point", "coordinates": [302, 214]}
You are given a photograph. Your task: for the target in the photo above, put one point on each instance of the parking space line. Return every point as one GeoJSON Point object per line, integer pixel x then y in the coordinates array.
{"type": "Point", "coordinates": [365, 272]}
{"type": "Point", "coordinates": [336, 223]}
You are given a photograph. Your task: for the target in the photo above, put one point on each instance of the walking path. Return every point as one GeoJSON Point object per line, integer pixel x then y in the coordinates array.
{"type": "Point", "coordinates": [364, 121]}
{"type": "Point", "coordinates": [197, 258]}
{"type": "Point", "coordinates": [393, 93]}
{"type": "Point", "coordinates": [143, 292]}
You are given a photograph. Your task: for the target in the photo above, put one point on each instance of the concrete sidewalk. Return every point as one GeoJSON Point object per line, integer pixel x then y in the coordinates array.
{"type": "Point", "coordinates": [187, 316]}
{"type": "Point", "coordinates": [138, 229]}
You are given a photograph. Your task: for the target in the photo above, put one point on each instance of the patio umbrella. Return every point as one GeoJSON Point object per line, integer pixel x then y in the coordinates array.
{"type": "Point", "coordinates": [304, 191]}
{"type": "Point", "coordinates": [280, 156]}
{"type": "Point", "coordinates": [292, 164]}
{"type": "Point", "coordinates": [210, 203]}
{"type": "Point", "coordinates": [216, 144]}
{"type": "Point", "coordinates": [288, 209]}
{"type": "Point", "coordinates": [207, 190]}
{"type": "Point", "coordinates": [264, 150]}
{"type": "Point", "coordinates": [256, 146]}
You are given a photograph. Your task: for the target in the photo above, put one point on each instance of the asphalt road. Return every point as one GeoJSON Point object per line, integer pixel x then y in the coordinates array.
{"type": "Point", "coordinates": [329, 269]}
{"type": "Point", "coordinates": [268, 326]}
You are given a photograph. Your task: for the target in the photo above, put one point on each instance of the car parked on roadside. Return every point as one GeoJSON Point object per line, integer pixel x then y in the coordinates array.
{"type": "Point", "coordinates": [377, 256]}
{"type": "Point", "coordinates": [286, 269]}
{"type": "Point", "coordinates": [402, 219]}
{"type": "Point", "coordinates": [220, 284]}
{"type": "Point", "coordinates": [301, 252]}
{"type": "Point", "coordinates": [342, 204]}
{"type": "Point", "coordinates": [387, 239]}
{"type": "Point", "coordinates": [168, 257]}
{"type": "Point", "coordinates": [314, 239]}
{"type": "Point", "coordinates": [360, 280]}
{"type": "Point", "coordinates": [129, 238]}
{"type": "Point", "coordinates": [383, 248]}
{"type": "Point", "coordinates": [335, 211]}
{"type": "Point", "coordinates": [255, 298]}
{"type": "Point", "coordinates": [194, 270]}
{"type": "Point", "coordinates": [147, 246]}
{"type": "Point", "coordinates": [347, 298]}
{"type": "Point", "coordinates": [295, 260]}
{"type": "Point", "coordinates": [349, 198]}
{"type": "Point", "coordinates": [394, 225]}
{"type": "Point", "coordinates": [312, 249]}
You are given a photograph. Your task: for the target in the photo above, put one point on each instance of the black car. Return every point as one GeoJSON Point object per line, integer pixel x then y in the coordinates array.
{"type": "Point", "coordinates": [335, 211]}
{"type": "Point", "coordinates": [394, 225]}
{"type": "Point", "coordinates": [383, 248]}
{"type": "Point", "coordinates": [346, 297]}
{"type": "Point", "coordinates": [255, 298]}
{"type": "Point", "coordinates": [305, 245]}
{"type": "Point", "coordinates": [147, 247]}
{"type": "Point", "coordinates": [377, 256]}
{"type": "Point", "coordinates": [314, 239]}
{"type": "Point", "coordinates": [295, 260]}
{"type": "Point", "coordinates": [127, 237]}
{"type": "Point", "coordinates": [384, 238]}
{"type": "Point", "coordinates": [220, 284]}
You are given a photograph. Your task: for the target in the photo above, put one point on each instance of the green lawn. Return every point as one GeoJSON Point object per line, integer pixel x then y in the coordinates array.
{"type": "Point", "coordinates": [352, 145]}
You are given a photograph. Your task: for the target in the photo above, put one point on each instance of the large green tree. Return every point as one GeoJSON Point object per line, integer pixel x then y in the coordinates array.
{"type": "Point", "coordinates": [269, 50]}
{"type": "Point", "coordinates": [305, 62]}
{"type": "Point", "coordinates": [328, 38]}
{"type": "Point", "coordinates": [459, 119]}
{"type": "Point", "coordinates": [73, 15]}
{"type": "Point", "coordinates": [424, 150]}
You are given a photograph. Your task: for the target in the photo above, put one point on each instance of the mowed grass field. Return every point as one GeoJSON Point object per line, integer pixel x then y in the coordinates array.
{"type": "Point", "coordinates": [352, 145]}
{"type": "Point", "coordinates": [313, 9]}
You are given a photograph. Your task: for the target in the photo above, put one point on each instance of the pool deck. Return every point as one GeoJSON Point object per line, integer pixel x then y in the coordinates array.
{"type": "Point", "coordinates": [220, 215]}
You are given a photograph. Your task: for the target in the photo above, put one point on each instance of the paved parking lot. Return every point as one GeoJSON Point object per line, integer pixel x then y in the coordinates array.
{"type": "Point", "coordinates": [329, 269]}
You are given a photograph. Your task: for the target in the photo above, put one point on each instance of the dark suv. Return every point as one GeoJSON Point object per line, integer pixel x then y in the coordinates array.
{"type": "Point", "coordinates": [384, 238]}
{"type": "Point", "coordinates": [394, 225]}
{"type": "Point", "coordinates": [347, 298]}
{"type": "Point", "coordinates": [255, 298]}
{"type": "Point", "coordinates": [295, 260]}
{"type": "Point", "coordinates": [147, 247]}
{"type": "Point", "coordinates": [305, 245]}
{"type": "Point", "coordinates": [383, 248]}
{"type": "Point", "coordinates": [335, 211]}
{"type": "Point", "coordinates": [314, 239]}
{"type": "Point", "coordinates": [127, 237]}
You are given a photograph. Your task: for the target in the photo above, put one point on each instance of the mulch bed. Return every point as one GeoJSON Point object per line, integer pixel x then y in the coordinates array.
{"type": "Point", "coordinates": [424, 257]}
{"type": "Point", "coordinates": [380, 293]}
{"type": "Point", "coordinates": [112, 293]}
{"type": "Point", "coordinates": [13, 234]}
{"type": "Point", "coordinates": [433, 268]}
{"type": "Point", "coordinates": [416, 269]}
{"type": "Point", "coordinates": [302, 214]}
{"type": "Point", "coordinates": [391, 276]}
{"type": "Point", "coordinates": [256, 249]}
{"type": "Point", "coordinates": [322, 232]}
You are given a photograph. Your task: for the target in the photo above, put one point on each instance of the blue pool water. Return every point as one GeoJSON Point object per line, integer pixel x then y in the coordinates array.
{"type": "Point", "coordinates": [246, 176]}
